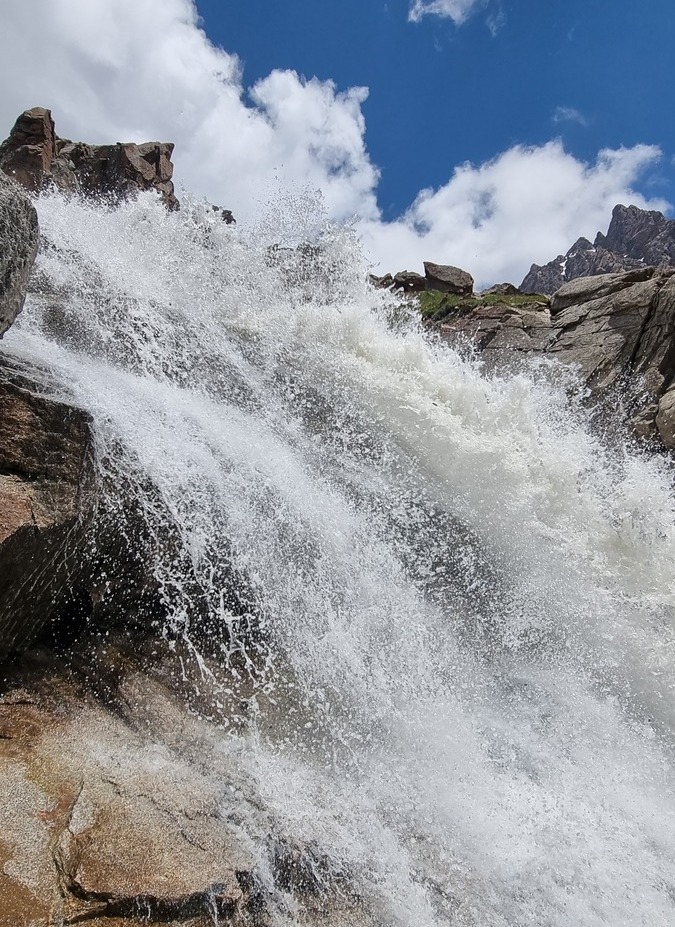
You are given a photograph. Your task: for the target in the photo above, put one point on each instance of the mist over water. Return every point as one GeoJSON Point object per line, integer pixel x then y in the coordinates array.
{"type": "Point", "coordinates": [452, 605]}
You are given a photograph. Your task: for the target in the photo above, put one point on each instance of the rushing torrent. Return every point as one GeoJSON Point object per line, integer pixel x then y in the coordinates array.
{"type": "Point", "coordinates": [453, 602]}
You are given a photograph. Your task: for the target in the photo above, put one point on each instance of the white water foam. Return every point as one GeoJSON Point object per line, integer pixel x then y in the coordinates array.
{"type": "Point", "coordinates": [466, 701]}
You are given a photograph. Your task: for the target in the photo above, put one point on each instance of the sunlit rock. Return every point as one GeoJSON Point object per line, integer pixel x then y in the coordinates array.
{"type": "Point", "coordinates": [448, 279]}
{"type": "Point", "coordinates": [96, 821]}
{"type": "Point", "coordinates": [36, 158]}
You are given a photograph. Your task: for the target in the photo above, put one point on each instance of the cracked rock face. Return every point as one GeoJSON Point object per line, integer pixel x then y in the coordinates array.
{"type": "Point", "coordinates": [128, 809]}
{"type": "Point", "coordinates": [44, 455]}
{"type": "Point", "coordinates": [98, 824]}
{"type": "Point", "coordinates": [600, 328]}
{"type": "Point", "coordinates": [616, 324]}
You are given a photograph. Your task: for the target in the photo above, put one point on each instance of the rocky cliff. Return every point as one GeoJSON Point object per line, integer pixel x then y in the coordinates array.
{"type": "Point", "coordinates": [37, 158]}
{"type": "Point", "coordinates": [635, 238]}
{"type": "Point", "coordinates": [45, 504]}
{"type": "Point", "coordinates": [19, 238]}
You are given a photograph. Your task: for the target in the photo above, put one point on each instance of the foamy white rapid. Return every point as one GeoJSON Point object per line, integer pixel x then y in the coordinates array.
{"type": "Point", "coordinates": [465, 690]}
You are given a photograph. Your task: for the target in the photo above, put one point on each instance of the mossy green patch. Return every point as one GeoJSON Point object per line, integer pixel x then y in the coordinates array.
{"type": "Point", "coordinates": [434, 303]}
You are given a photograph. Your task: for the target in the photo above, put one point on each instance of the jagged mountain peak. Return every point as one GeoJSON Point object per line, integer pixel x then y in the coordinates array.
{"type": "Point", "coordinates": [634, 231]}
{"type": "Point", "coordinates": [635, 238]}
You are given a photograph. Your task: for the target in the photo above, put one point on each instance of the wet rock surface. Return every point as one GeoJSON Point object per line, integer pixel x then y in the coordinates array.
{"type": "Point", "coordinates": [100, 822]}
{"type": "Point", "coordinates": [122, 807]}
{"type": "Point", "coordinates": [18, 248]}
{"type": "Point", "coordinates": [45, 502]}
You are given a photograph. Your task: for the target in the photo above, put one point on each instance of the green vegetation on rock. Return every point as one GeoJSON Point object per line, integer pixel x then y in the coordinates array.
{"type": "Point", "coordinates": [436, 305]}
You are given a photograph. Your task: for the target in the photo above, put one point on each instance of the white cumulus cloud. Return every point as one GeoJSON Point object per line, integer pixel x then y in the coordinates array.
{"type": "Point", "coordinates": [528, 204]}
{"type": "Point", "coordinates": [137, 70]}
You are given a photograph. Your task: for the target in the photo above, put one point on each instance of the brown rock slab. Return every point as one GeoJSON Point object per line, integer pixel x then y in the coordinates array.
{"type": "Point", "coordinates": [132, 851]}
{"type": "Point", "coordinates": [28, 153]}
{"type": "Point", "coordinates": [98, 822]}
{"type": "Point", "coordinates": [585, 289]}
{"type": "Point", "coordinates": [448, 279]}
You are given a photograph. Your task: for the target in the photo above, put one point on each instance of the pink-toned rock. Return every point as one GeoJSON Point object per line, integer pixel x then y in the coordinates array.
{"type": "Point", "coordinates": [102, 825]}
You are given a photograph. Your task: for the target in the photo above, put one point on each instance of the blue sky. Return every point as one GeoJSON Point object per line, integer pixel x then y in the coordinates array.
{"type": "Point", "coordinates": [596, 73]}
{"type": "Point", "coordinates": [483, 133]}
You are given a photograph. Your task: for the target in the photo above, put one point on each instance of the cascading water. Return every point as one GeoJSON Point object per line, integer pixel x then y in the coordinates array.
{"type": "Point", "coordinates": [452, 602]}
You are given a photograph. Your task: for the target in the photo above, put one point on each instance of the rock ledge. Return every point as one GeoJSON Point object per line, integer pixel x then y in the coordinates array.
{"type": "Point", "coordinates": [37, 158]}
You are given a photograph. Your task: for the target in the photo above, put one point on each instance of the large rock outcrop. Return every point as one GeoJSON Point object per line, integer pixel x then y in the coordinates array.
{"type": "Point", "coordinates": [18, 247]}
{"type": "Point", "coordinates": [641, 235]}
{"type": "Point", "coordinates": [122, 806]}
{"type": "Point", "coordinates": [45, 501]}
{"type": "Point", "coordinates": [616, 324]}
{"type": "Point", "coordinates": [610, 327]}
{"type": "Point", "coordinates": [36, 158]}
{"type": "Point", "coordinates": [635, 238]}
{"type": "Point", "coordinates": [448, 279]}
{"type": "Point", "coordinates": [100, 822]}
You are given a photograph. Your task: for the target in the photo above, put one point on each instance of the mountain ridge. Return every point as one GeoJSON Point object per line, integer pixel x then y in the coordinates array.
{"type": "Point", "coordinates": [635, 238]}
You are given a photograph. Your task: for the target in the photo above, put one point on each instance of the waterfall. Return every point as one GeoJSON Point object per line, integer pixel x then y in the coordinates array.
{"type": "Point", "coordinates": [448, 603]}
